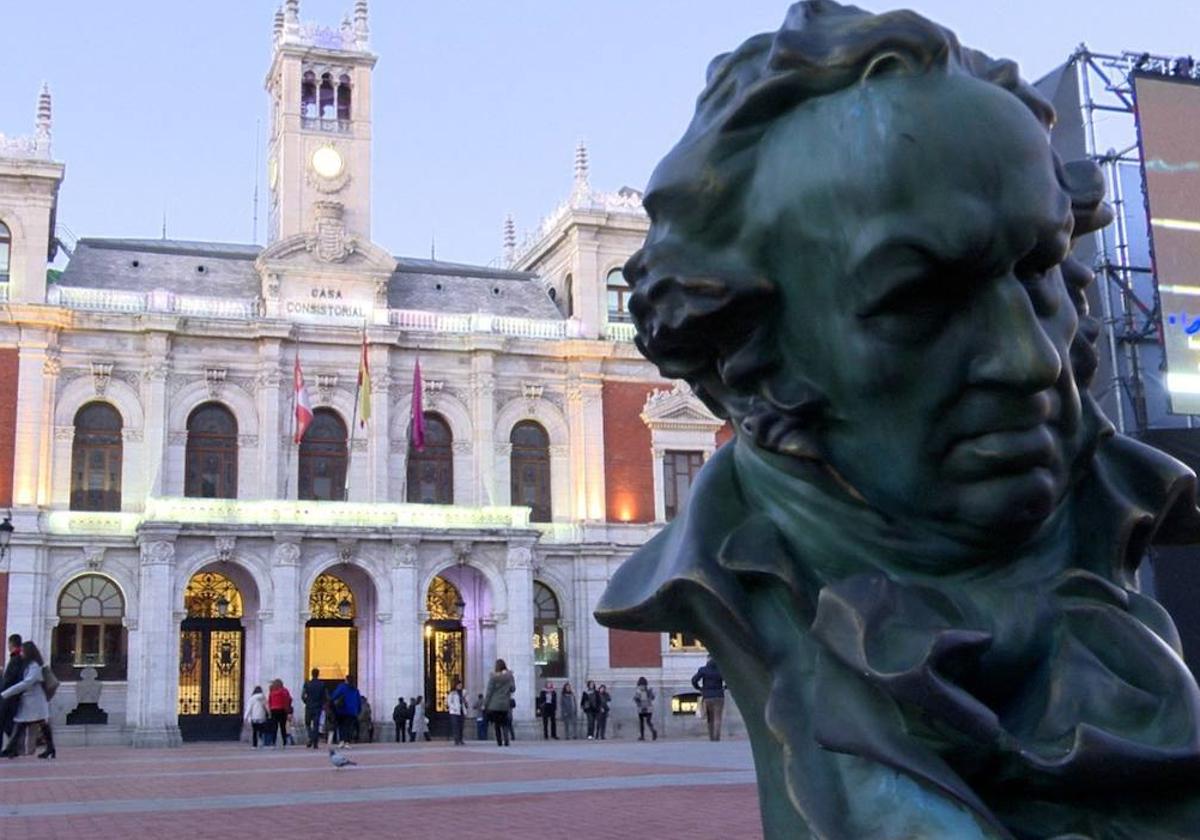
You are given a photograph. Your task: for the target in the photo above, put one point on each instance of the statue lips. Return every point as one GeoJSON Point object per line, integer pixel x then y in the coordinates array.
{"type": "Point", "coordinates": [1005, 452]}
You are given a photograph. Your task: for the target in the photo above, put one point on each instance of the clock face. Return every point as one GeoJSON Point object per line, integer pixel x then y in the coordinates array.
{"type": "Point", "coordinates": [327, 162]}
{"type": "Point", "coordinates": [272, 172]}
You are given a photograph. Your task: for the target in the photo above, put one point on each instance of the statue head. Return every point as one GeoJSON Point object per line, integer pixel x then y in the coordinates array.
{"type": "Point", "coordinates": [858, 253]}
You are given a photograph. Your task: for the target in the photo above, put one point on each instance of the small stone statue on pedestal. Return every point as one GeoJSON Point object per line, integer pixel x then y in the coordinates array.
{"type": "Point", "coordinates": [87, 696]}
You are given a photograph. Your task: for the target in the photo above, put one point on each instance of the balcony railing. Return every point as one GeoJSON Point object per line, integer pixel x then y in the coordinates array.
{"type": "Point", "coordinates": [285, 512]}
{"type": "Point", "coordinates": [3, 288]}
{"type": "Point", "coordinates": [325, 124]}
{"type": "Point", "coordinates": [245, 309]}
{"type": "Point", "coordinates": [619, 331]}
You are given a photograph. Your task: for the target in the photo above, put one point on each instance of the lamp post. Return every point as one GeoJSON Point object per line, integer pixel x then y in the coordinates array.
{"type": "Point", "coordinates": [343, 608]}
{"type": "Point", "coordinates": [222, 607]}
{"type": "Point", "coordinates": [6, 532]}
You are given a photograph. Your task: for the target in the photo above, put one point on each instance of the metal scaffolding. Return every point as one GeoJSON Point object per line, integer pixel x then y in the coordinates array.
{"type": "Point", "coordinates": [1129, 296]}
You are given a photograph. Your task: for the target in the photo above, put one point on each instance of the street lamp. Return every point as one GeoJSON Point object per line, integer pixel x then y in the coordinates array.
{"type": "Point", "coordinates": [6, 532]}
{"type": "Point", "coordinates": [343, 608]}
{"type": "Point", "coordinates": [222, 607]}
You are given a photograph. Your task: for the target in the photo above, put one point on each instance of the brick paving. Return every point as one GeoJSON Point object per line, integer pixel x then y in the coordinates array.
{"type": "Point", "coordinates": [668, 789]}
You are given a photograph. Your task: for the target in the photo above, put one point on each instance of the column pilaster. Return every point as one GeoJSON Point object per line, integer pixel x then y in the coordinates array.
{"type": "Point", "coordinates": [515, 637]}
{"type": "Point", "coordinates": [154, 646]}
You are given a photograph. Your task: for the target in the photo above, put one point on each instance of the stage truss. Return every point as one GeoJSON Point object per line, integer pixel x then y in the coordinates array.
{"type": "Point", "coordinates": [1128, 295]}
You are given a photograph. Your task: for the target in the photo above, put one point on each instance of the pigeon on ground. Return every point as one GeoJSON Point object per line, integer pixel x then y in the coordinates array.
{"type": "Point", "coordinates": [338, 760]}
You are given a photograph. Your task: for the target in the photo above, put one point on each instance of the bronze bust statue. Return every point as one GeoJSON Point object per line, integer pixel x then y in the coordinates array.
{"type": "Point", "coordinates": [917, 563]}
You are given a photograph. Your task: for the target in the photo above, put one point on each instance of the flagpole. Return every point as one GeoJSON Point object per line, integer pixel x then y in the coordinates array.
{"type": "Point", "coordinates": [292, 445]}
{"type": "Point", "coordinates": [354, 416]}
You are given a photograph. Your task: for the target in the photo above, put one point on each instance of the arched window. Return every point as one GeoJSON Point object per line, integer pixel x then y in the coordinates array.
{"type": "Point", "coordinates": [549, 640]}
{"type": "Point", "coordinates": [568, 296]}
{"type": "Point", "coordinates": [96, 459]}
{"type": "Point", "coordinates": [326, 94]}
{"type": "Point", "coordinates": [531, 469]}
{"type": "Point", "coordinates": [5, 251]}
{"type": "Point", "coordinates": [343, 103]}
{"type": "Point", "coordinates": [431, 471]}
{"type": "Point", "coordinates": [90, 632]}
{"type": "Point", "coordinates": [210, 465]}
{"type": "Point", "coordinates": [618, 296]}
{"type": "Point", "coordinates": [308, 97]}
{"type": "Point", "coordinates": [323, 458]}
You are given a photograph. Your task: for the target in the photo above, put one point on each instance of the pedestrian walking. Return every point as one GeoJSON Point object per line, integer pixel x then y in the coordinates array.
{"type": "Point", "coordinates": [420, 721]}
{"type": "Point", "coordinates": [366, 724]}
{"type": "Point", "coordinates": [711, 685]}
{"type": "Point", "coordinates": [400, 718]}
{"type": "Point", "coordinates": [643, 698]}
{"type": "Point", "coordinates": [588, 704]}
{"type": "Point", "coordinates": [346, 702]}
{"type": "Point", "coordinates": [569, 712]}
{"type": "Point", "coordinates": [313, 695]}
{"type": "Point", "coordinates": [279, 704]}
{"type": "Point", "coordinates": [412, 712]}
{"type": "Point", "coordinates": [496, 699]}
{"type": "Point", "coordinates": [14, 670]}
{"type": "Point", "coordinates": [456, 705]}
{"type": "Point", "coordinates": [480, 718]}
{"type": "Point", "coordinates": [256, 716]}
{"type": "Point", "coordinates": [33, 706]}
{"type": "Point", "coordinates": [547, 710]}
{"type": "Point", "coordinates": [603, 706]}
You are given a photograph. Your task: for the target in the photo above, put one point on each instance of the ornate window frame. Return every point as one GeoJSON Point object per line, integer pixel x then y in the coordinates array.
{"type": "Point", "coordinates": [678, 421]}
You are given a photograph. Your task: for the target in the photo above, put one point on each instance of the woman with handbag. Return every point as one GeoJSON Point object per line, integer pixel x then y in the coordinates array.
{"type": "Point", "coordinates": [35, 705]}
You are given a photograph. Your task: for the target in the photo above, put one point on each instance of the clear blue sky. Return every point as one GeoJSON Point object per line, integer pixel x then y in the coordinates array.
{"type": "Point", "coordinates": [478, 103]}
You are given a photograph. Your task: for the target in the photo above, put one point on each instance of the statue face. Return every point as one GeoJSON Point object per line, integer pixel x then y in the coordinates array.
{"type": "Point", "coordinates": [917, 249]}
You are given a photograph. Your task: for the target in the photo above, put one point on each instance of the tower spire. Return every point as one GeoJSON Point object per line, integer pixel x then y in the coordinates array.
{"type": "Point", "coordinates": [42, 122]}
{"type": "Point", "coordinates": [361, 31]}
{"type": "Point", "coordinates": [510, 240]}
{"type": "Point", "coordinates": [291, 19]}
{"type": "Point", "coordinates": [581, 188]}
{"type": "Point", "coordinates": [278, 26]}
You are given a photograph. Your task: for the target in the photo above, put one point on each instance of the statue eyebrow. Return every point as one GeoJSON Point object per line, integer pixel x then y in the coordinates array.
{"type": "Point", "coordinates": [879, 280]}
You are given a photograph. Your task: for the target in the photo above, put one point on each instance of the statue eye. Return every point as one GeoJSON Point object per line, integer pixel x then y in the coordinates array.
{"type": "Point", "coordinates": [911, 311]}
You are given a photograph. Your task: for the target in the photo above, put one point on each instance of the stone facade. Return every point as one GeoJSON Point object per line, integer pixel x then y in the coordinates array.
{"type": "Point", "coordinates": [158, 329]}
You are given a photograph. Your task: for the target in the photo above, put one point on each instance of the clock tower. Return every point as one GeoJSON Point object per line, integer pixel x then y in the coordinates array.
{"type": "Point", "coordinates": [319, 152]}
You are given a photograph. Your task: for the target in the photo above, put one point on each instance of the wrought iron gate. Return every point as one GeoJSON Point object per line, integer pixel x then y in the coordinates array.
{"type": "Point", "coordinates": [445, 661]}
{"type": "Point", "coordinates": [210, 679]}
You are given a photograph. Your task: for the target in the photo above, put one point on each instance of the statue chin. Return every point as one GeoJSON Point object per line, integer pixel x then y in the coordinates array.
{"type": "Point", "coordinates": [1007, 510]}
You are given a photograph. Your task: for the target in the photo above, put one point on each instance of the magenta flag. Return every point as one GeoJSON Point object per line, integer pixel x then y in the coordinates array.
{"type": "Point", "coordinates": [417, 437]}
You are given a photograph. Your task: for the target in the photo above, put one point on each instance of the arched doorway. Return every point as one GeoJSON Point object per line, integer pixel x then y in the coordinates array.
{"type": "Point", "coordinates": [549, 637]}
{"type": "Point", "coordinates": [330, 638]}
{"type": "Point", "coordinates": [211, 659]}
{"type": "Point", "coordinates": [445, 648]}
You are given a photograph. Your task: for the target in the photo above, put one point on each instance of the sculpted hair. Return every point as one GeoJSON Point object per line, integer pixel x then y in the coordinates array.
{"type": "Point", "coordinates": [701, 303]}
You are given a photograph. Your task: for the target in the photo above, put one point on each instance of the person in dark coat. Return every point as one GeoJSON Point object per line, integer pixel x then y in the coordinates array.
{"type": "Point", "coordinates": [313, 695]}
{"type": "Point", "coordinates": [497, 699]}
{"type": "Point", "coordinates": [547, 710]}
{"type": "Point", "coordinates": [400, 718]}
{"type": "Point", "coordinates": [13, 672]}
{"type": "Point", "coordinates": [410, 717]}
{"type": "Point", "coordinates": [587, 704]}
{"type": "Point", "coordinates": [711, 685]}
{"type": "Point", "coordinates": [603, 701]}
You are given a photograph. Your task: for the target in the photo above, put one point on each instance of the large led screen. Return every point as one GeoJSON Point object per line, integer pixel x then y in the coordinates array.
{"type": "Point", "coordinates": [1168, 111]}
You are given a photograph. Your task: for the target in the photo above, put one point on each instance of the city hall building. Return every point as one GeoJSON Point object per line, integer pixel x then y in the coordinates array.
{"type": "Point", "coordinates": [172, 544]}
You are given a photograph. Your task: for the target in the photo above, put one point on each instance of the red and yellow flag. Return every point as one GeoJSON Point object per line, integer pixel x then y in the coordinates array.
{"type": "Point", "coordinates": [364, 386]}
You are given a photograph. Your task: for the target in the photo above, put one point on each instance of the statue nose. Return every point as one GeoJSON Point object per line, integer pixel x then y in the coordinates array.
{"type": "Point", "coordinates": [1013, 349]}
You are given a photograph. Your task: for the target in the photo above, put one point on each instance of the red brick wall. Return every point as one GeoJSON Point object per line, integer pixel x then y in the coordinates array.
{"type": "Point", "coordinates": [631, 649]}
{"type": "Point", "coordinates": [724, 434]}
{"type": "Point", "coordinates": [628, 465]}
{"type": "Point", "coordinates": [8, 422]}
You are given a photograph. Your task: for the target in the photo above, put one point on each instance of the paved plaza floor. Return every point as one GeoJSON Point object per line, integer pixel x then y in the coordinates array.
{"type": "Point", "coordinates": [615, 789]}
